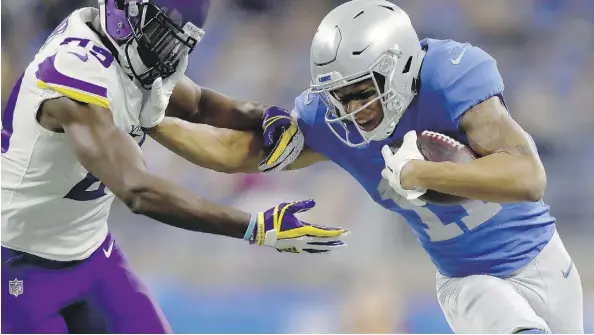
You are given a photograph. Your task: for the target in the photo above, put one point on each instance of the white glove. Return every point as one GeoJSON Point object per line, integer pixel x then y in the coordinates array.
{"type": "Point", "coordinates": [395, 162]}
{"type": "Point", "coordinates": [153, 109]}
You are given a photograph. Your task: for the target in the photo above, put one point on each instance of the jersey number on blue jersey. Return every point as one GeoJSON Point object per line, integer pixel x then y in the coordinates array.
{"type": "Point", "coordinates": [478, 212]}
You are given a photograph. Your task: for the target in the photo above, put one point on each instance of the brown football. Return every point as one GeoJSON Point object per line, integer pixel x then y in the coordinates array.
{"type": "Point", "coordinates": [437, 147]}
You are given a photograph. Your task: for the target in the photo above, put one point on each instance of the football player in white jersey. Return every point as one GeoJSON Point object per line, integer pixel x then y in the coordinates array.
{"type": "Point", "coordinates": [501, 265]}
{"type": "Point", "coordinates": [71, 136]}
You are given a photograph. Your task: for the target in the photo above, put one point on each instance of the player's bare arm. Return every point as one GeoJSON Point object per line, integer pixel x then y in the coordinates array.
{"type": "Point", "coordinates": [219, 149]}
{"type": "Point", "coordinates": [197, 104]}
{"type": "Point", "coordinates": [510, 170]}
{"type": "Point", "coordinates": [112, 156]}
{"type": "Point", "coordinates": [192, 103]}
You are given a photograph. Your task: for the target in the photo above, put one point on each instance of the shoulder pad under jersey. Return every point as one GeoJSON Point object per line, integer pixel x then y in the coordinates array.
{"type": "Point", "coordinates": [462, 76]}
{"type": "Point", "coordinates": [307, 107]}
{"type": "Point", "coordinates": [80, 69]}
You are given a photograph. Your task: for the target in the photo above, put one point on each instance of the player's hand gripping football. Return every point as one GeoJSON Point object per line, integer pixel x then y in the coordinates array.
{"type": "Point", "coordinates": [282, 139]}
{"type": "Point", "coordinates": [395, 162]}
{"type": "Point", "coordinates": [153, 110]}
{"type": "Point", "coordinates": [279, 228]}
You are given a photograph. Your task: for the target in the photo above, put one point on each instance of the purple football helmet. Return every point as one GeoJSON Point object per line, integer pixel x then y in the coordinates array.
{"type": "Point", "coordinates": [151, 40]}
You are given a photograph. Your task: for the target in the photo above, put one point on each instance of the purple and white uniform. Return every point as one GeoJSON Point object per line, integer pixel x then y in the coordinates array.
{"type": "Point", "coordinates": [61, 271]}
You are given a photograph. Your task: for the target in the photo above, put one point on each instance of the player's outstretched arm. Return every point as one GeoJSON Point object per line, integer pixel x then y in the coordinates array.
{"type": "Point", "coordinates": [114, 157]}
{"type": "Point", "coordinates": [192, 103]}
{"type": "Point", "coordinates": [510, 170]}
{"type": "Point", "coordinates": [219, 149]}
{"type": "Point", "coordinates": [196, 104]}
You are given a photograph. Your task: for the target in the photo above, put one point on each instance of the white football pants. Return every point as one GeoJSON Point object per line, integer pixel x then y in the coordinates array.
{"type": "Point", "coordinates": [546, 294]}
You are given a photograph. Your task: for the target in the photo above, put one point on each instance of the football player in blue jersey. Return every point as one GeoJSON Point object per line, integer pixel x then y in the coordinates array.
{"type": "Point", "coordinates": [501, 266]}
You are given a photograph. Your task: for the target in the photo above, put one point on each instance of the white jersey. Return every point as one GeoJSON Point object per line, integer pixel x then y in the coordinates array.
{"type": "Point", "coordinates": [51, 206]}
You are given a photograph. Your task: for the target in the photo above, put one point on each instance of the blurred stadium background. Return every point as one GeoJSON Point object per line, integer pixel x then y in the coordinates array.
{"type": "Point", "coordinates": [259, 49]}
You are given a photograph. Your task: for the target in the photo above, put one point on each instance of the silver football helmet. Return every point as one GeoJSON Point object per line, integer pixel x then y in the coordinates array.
{"type": "Point", "coordinates": [361, 40]}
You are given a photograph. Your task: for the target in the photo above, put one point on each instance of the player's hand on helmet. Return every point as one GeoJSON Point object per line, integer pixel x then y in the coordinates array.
{"type": "Point", "coordinates": [278, 228]}
{"type": "Point", "coordinates": [153, 109]}
{"type": "Point", "coordinates": [282, 139]}
{"type": "Point", "coordinates": [395, 162]}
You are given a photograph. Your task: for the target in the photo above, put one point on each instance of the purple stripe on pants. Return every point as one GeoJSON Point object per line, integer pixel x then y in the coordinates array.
{"type": "Point", "coordinates": [99, 294]}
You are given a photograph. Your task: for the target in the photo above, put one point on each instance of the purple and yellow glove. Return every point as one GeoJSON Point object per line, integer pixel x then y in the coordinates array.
{"type": "Point", "coordinates": [279, 228]}
{"type": "Point", "coordinates": [282, 139]}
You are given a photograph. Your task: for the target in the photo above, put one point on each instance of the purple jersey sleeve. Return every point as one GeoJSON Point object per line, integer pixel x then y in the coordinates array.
{"type": "Point", "coordinates": [78, 70]}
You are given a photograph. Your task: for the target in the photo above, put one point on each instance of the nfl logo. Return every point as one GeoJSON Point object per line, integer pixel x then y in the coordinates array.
{"type": "Point", "coordinates": [16, 287]}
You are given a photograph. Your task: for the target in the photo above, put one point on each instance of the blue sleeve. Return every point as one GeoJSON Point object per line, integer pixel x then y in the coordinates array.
{"type": "Point", "coordinates": [469, 79]}
{"type": "Point", "coordinates": [306, 109]}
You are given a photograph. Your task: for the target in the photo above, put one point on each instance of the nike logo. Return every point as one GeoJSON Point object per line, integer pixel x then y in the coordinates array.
{"type": "Point", "coordinates": [109, 250]}
{"type": "Point", "coordinates": [459, 58]}
{"type": "Point", "coordinates": [83, 58]}
{"type": "Point", "coordinates": [357, 53]}
{"type": "Point", "coordinates": [566, 273]}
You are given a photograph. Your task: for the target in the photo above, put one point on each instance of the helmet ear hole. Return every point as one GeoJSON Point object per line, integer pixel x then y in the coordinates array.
{"type": "Point", "coordinates": [407, 65]}
{"type": "Point", "coordinates": [119, 4]}
{"type": "Point", "coordinates": [380, 80]}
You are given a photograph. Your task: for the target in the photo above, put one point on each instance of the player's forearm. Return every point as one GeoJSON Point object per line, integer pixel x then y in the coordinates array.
{"type": "Point", "coordinates": [218, 149]}
{"type": "Point", "coordinates": [499, 177]}
{"type": "Point", "coordinates": [113, 156]}
{"type": "Point", "coordinates": [251, 113]}
{"type": "Point", "coordinates": [197, 104]}
{"type": "Point", "coordinates": [173, 205]}
{"type": "Point", "coordinates": [221, 111]}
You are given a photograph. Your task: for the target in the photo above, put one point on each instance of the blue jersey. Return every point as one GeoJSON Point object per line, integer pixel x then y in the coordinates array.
{"type": "Point", "coordinates": [473, 238]}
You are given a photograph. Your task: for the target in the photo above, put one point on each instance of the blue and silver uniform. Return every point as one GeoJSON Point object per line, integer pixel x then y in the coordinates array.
{"type": "Point", "coordinates": [476, 237]}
